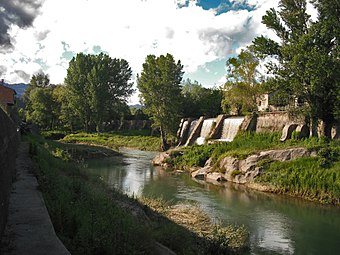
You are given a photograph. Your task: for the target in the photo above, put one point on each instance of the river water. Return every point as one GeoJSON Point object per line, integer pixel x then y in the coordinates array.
{"type": "Point", "coordinates": [277, 224]}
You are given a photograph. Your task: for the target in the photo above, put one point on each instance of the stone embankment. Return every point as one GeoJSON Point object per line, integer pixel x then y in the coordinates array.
{"type": "Point", "coordinates": [8, 147]}
{"type": "Point", "coordinates": [232, 169]}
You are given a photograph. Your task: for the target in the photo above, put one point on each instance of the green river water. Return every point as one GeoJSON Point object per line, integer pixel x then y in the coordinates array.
{"type": "Point", "coordinates": [277, 224]}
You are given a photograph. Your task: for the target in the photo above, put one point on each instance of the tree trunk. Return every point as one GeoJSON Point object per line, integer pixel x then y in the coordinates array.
{"type": "Point", "coordinates": [326, 129]}
{"type": "Point", "coordinates": [164, 145]}
{"type": "Point", "coordinates": [314, 126]}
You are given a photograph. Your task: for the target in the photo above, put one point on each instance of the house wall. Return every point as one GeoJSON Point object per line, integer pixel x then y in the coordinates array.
{"type": "Point", "coordinates": [9, 140]}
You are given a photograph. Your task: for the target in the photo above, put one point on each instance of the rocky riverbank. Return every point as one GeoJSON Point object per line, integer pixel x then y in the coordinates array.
{"type": "Point", "coordinates": [307, 173]}
{"type": "Point", "coordinates": [233, 169]}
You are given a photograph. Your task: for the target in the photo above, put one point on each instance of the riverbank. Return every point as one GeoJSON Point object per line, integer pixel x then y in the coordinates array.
{"type": "Point", "coordinates": [114, 141]}
{"type": "Point", "coordinates": [308, 168]}
{"type": "Point", "coordinates": [91, 218]}
{"type": "Point", "coordinates": [29, 229]}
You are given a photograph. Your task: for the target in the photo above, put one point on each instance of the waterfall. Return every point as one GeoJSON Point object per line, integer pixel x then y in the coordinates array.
{"type": "Point", "coordinates": [206, 128]}
{"type": "Point", "coordinates": [230, 128]}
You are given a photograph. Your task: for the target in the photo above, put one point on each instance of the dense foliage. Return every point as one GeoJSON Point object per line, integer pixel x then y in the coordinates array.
{"type": "Point", "coordinates": [243, 87]}
{"type": "Point", "coordinates": [306, 66]}
{"type": "Point", "coordinates": [97, 88]}
{"type": "Point", "coordinates": [160, 86]}
{"type": "Point", "coordinates": [95, 92]}
{"type": "Point", "coordinates": [200, 101]}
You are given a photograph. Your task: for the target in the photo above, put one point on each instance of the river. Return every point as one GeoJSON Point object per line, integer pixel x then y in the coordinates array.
{"type": "Point", "coordinates": [277, 224]}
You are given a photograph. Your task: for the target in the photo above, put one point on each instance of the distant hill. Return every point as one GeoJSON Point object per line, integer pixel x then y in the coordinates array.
{"type": "Point", "coordinates": [137, 106]}
{"type": "Point", "coordinates": [19, 88]}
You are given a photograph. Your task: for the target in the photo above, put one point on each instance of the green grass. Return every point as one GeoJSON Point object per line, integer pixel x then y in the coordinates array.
{"type": "Point", "coordinates": [149, 143]}
{"type": "Point", "coordinates": [90, 218]}
{"type": "Point", "coordinates": [314, 178]}
{"type": "Point", "coordinates": [304, 177]}
{"type": "Point", "coordinates": [243, 145]}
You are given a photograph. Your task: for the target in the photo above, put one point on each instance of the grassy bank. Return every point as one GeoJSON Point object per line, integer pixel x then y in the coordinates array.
{"type": "Point", "coordinates": [91, 219]}
{"type": "Point", "coordinates": [306, 177]}
{"type": "Point", "coordinates": [314, 178]}
{"type": "Point", "coordinates": [114, 141]}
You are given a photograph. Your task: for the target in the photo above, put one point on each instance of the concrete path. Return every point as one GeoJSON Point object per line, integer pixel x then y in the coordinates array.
{"type": "Point", "coordinates": [29, 229]}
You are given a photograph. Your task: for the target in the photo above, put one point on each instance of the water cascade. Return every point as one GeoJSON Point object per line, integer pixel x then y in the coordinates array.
{"type": "Point", "coordinates": [230, 128]}
{"type": "Point", "coordinates": [206, 128]}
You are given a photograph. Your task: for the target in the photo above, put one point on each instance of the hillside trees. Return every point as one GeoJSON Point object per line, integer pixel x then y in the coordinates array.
{"type": "Point", "coordinates": [307, 56]}
{"type": "Point", "coordinates": [39, 102]}
{"type": "Point", "coordinates": [200, 101]}
{"type": "Point", "coordinates": [243, 86]}
{"type": "Point", "coordinates": [159, 85]}
{"type": "Point", "coordinates": [97, 88]}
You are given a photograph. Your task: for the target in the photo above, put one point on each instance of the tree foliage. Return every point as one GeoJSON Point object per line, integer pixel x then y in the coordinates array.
{"type": "Point", "coordinates": [159, 85]}
{"type": "Point", "coordinates": [243, 86]}
{"type": "Point", "coordinates": [307, 55]}
{"type": "Point", "coordinates": [97, 88]}
{"type": "Point", "coordinates": [200, 101]}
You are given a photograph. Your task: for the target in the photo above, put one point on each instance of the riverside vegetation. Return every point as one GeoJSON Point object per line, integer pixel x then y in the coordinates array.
{"type": "Point", "coordinates": [90, 218]}
{"type": "Point", "coordinates": [313, 178]}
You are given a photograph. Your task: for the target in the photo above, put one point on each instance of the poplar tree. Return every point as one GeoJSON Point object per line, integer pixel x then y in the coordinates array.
{"type": "Point", "coordinates": [308, 58]}
{"type": "Point", "coordinates": [160, 92]}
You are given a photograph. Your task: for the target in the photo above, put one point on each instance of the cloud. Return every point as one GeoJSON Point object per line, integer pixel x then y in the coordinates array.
{"type": "Point", "coordinates": [16, 12]}
{"type": "Point", "coordinates": [127, 29]}
{"type": "Point", "coordinates": [22, 74]}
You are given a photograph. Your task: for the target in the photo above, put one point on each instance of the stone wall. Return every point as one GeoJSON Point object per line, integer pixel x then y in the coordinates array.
{"type": "Point", "coordinates": [9, 140]}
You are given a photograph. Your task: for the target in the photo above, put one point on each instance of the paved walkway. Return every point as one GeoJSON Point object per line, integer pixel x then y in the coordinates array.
{"type": "Point", "coordinates": [29, 229]}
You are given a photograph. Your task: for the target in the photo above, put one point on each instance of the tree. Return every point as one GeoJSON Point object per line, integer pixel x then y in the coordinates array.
{"type": "Point", "coordinates": [97, 88]}
{"type": "Point", "coordinates": [38, 101]}
{"type": "Point", "coordinates": [159, 85]}
{"type": "Point", "coordinates": [41, 110]}
{"type": "Point", "coordinates": [243, 86]}
{"type": "Point", "coordinates": [308, 57]}
{"type": "Point", "coordinates": [200, 101]}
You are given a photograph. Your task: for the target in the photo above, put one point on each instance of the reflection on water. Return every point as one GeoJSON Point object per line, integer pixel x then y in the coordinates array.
{"type": "Point", "coordinates": [277, 225]}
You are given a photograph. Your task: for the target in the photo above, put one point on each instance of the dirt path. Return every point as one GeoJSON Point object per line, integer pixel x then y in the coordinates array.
{"type": "Point", "coordinates": [29, 229]}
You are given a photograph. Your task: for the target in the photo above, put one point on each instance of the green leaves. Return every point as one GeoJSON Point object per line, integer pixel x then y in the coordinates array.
{"type": "Point", "coordinates": [97, 87]}
{"type": "Point", "coordinates": [159, 85]}
{"type": "Point", "coordinates": [307, 55]}
{"type": "Point", "coordinates": [243, 86]}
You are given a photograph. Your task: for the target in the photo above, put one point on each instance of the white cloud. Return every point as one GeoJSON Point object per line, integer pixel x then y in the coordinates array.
{"type": "Point", "coordinates": [131, 30]}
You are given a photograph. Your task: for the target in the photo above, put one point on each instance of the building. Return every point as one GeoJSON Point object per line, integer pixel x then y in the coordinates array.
{"type": "Point", "coordinates": [7, 96]}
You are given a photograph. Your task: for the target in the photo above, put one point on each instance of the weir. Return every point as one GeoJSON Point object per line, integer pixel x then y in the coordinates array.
{"type": "Point", "coordinates": [215, 129]}
{"type": "Point", "coordinates": [230, 128]}
{"type": "Point", "coordinates": [205, 131]}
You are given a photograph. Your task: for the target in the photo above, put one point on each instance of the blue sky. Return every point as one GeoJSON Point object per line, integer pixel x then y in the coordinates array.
{"type": "Point", "coordinates": [200, 33]}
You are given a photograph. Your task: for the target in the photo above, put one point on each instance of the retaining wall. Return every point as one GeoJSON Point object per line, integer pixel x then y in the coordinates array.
{"type": "Point", "coordinates": [9, 140]}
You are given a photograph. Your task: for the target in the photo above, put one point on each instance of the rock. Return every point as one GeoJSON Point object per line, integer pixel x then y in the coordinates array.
{"type": "Point", "coordinates": [215, 177]}
{"type": "Point", "coordinates": [248, 164]}
{"type": "Point", "coordinates": [248, 168]}
{"type": "Point", "coordinates": [159, 160]}
{"type": "Point", "coordinates": [284, 155]}
{"type": "Point", "coordinates": [229, 164]}
{"type": "Point", "coordinates": [200, 173]}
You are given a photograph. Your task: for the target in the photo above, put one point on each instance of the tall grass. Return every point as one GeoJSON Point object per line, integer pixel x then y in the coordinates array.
{"type": "Point", "coordinates": [83, 213]}
{"type": "Point", "coordinates": [90, 218]}
{"type": "Point", "coordinates": [304, 177]}
{"type": "Point", "coordinates": [243, 145]}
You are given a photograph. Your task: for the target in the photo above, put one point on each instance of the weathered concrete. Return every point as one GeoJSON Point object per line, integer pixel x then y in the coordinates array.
{"type": "Point", "coordinates": [9, 139]}
{"type": "Point", "coordinates": [287, 131]}
{"type": "Point", "coordinates": [195, 133]}
{"type": "Point", "coordinates": [29, 229]}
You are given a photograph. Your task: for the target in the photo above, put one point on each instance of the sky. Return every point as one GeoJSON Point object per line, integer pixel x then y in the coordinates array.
{"type": "Point", "coordinates": [44, 35]}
